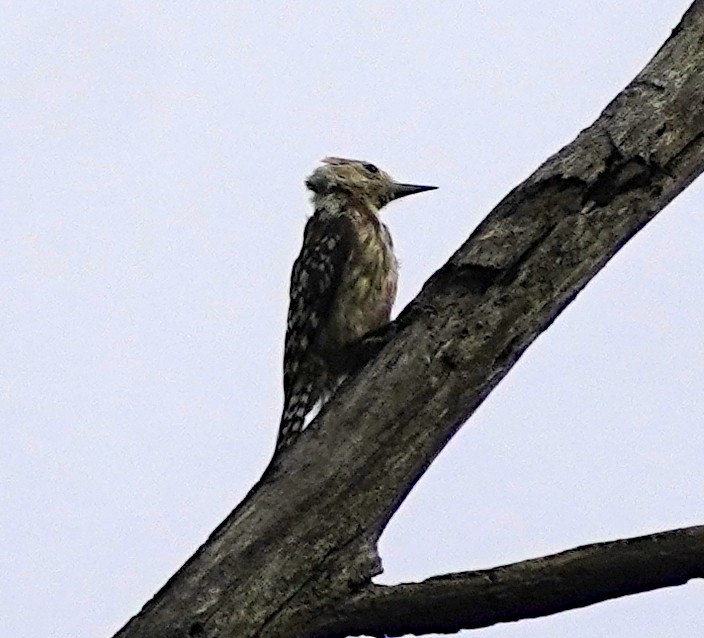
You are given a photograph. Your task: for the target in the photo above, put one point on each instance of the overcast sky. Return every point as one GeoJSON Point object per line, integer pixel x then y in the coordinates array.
{"type": "Point", "coordinates": [151, 191]}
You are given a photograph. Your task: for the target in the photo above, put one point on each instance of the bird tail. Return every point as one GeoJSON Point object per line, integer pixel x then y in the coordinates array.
{"type": "Point", "coordinates": [300, 401]}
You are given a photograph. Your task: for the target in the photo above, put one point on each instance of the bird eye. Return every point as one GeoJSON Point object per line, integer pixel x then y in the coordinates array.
{"type": "Point", "coordinates": [371, 168]}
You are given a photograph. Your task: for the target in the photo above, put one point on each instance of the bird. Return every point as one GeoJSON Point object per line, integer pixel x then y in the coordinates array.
{"type": "Point", "coordinates": [343, 283]}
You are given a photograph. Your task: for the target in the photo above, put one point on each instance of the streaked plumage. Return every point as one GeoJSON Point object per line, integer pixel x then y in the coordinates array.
{"type": "Point", "coordinates": [343, 283]}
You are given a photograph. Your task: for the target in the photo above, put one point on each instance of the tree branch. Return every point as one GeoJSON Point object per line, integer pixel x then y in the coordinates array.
{"type": "Point", "coordinates": [529, 589]}
{"type": "Point", "coordinates": [304, 539]}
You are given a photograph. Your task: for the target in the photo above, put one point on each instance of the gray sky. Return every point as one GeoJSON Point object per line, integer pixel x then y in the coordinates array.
{"type": "Point", "coordinates": [152, 166]}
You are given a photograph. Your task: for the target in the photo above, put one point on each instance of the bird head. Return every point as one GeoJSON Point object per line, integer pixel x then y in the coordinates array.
{"type": "Point", "coordinates": [358, 180]}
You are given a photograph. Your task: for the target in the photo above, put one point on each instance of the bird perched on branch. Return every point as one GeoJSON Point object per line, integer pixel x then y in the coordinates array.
{"type": "Point", "coordinates": [343, 283]}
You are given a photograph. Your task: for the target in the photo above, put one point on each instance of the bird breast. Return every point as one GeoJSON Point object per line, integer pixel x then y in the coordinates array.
{"type": "Point", "coordinates": [367, 290]}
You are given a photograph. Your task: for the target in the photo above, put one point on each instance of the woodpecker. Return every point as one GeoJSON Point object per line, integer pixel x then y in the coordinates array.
{"type": "Point", "coordinates": [343, 283]}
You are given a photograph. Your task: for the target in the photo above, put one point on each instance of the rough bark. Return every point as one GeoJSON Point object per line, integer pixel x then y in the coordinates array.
{"type": "Point", "coordinates": [529, 589]}
{"type": "Point", "coordinates": [302, 544]}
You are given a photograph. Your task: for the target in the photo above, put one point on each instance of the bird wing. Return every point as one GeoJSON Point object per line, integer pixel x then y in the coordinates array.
{"type": "Point", "coordinates": [315, 279]}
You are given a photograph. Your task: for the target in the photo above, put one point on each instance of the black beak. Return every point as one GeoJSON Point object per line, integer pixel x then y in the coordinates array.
{"type": "Point", "coordinates": [401, 190]}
